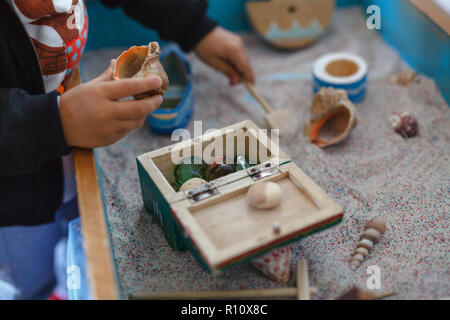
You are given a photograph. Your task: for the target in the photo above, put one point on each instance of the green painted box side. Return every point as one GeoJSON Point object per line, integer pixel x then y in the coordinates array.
{"type": "Point", "coordinates": [158, 207]}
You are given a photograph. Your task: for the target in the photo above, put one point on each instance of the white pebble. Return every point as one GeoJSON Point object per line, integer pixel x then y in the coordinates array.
{"type": "Point", "coordinates": [276, 228]}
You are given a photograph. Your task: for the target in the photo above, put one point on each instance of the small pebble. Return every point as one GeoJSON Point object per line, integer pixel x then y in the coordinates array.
{"type": "Point", "coordinates": [276, 228]}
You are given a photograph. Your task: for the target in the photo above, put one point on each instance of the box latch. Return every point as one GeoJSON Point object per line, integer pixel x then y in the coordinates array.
{"type": "Point", "coordinates": [203, 192]}
{"type": "Point", "coordinates": [262, 171]}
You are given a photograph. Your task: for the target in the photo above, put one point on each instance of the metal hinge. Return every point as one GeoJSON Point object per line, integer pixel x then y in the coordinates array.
{"type": "Point", "coordinates": [209, 189]}
{"type": "Point", "coordinates": [203, 192]}
{"type": "Point", "coordinates": [262, 171]}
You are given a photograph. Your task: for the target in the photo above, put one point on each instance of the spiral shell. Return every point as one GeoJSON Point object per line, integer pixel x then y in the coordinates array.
{"type": "Point", "coordinates": [140, 62]}
{"type": "Point", "coordinates": [373, 230]}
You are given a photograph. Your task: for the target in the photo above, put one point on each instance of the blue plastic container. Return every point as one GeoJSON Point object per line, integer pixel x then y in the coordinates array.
{"type": "Point", "coordinates": [356, 91]}
{"type": "Point", "coordinates": [178, 105]}
{"type": "Point", "coordinates": [341, 70]}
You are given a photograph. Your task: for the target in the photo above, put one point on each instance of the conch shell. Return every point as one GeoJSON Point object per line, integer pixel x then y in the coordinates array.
{"type": "Point", "coordinates": [373, 230]}
{"type": "Point", "coordinates": [333, 117]}
{"type": "Point", "coordinates": [142, 61]}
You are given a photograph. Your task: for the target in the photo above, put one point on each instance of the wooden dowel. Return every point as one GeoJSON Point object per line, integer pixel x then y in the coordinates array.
{"type": "Point", "coordinates": [231, 294]}
{"type": "Point", "coordinates": [384, 295]}
{"type": "Point", "coordinates": [263, 103]}
{"type": "Point", "coordinates": [303, 291]}
{"type": "Point", "coordinates": [226, 294]}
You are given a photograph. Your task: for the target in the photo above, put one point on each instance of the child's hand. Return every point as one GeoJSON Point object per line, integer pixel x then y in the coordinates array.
{"type": "Point", "coordinates": [225, 52]}
{"type": "Point", "coordinates": [92, 116]}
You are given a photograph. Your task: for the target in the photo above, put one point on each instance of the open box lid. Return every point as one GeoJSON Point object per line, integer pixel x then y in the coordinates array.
{"type": "Point", "coordinates": [225, 229]}
{"type": "Point", "coordinates": [216, 219]}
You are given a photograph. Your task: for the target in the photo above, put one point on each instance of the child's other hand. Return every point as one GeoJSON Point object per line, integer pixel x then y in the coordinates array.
{"type": "Point", "coordinates": [225, 51]}
{"type": "Point", "coordinates": [92, 116]}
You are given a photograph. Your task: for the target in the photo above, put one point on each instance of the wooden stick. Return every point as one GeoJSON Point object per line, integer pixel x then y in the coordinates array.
{"type": "Point", "coordinates": [233, 294]}
{"type": "Point", "coordinates": [384, 295]}
{"type": "Point", "coordinates": [226, 294]}
{"type": "Point", "coordinates": [262, 102]}
{"type": "Point", "coordinates": [102, 275]}
{"type": "Point", "coordinates": [303, 291]}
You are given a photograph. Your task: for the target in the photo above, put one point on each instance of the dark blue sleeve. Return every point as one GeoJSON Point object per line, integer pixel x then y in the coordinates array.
{"type": "Point", "coordinates": [31, 132]}
{"type": "Point", "coordinates": [182, 21]}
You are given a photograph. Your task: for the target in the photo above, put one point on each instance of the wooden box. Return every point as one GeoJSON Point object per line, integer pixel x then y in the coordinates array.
{"type": "Point", "coordinates": [215, 221]}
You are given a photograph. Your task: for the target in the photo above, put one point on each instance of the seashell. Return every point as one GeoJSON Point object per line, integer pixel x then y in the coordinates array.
{"type": "Point", "coordinates": [333, 117]}
{"type": "Point", "coordinates": [405, 78]}
{"type": "Point", "coordinates": [192, 184]}
{"type": "Point", "coordinates": [264, 195]}
{"type": "Point", "coordinates": [404, 124]}
{"type": "Point", "coordinates": [378, 224]}
{"type": "Point", "coordinates": [373, 230]}
{"type": "Point", "coordinates": [362, 251]}
{"type": "Point", "coordinates": [372, 235]}
{"type": "Point", "coordinates": [275, 264]}
{"type": "Point", "coordinates": [142, 61]}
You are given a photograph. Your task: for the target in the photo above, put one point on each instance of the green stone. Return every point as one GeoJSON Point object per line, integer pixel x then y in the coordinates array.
{"type": "Point", "coordinates": [219, 169]}
{"type": "Point", "coordinates": [191, 167]}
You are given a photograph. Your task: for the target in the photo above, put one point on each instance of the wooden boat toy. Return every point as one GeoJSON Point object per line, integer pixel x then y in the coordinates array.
{"type": "Point", "coordinates": [290, 24]}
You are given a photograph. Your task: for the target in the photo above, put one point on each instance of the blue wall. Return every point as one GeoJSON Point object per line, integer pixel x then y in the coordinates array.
{"type": "Point", "coordinates": [420, 42]}
{"type": "Point", "coordinates": [424, 45]}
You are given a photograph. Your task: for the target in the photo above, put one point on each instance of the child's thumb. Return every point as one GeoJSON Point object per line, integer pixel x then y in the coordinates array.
{"type": "Point", "coordinates": [107, 75]}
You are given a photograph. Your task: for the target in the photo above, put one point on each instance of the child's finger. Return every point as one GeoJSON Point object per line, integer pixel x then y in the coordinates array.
{"type": "Point", "coordinates": [241, 61]}
{"type": "Point", "coordinates": [129, 87]}
{"type": "Point", "coordinates": [225, 68]}
{"type": "Point", "coordinates": [135, 109]}
{"type": "Point", "coordinates": [128, 125]}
